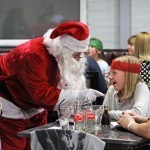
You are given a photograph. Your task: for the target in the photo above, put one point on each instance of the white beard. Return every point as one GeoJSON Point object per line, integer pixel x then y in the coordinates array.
{"type": "Point", "coordinates": [71, 71]}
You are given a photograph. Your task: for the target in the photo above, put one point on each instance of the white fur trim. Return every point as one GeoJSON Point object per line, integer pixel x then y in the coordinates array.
{"type": "Point", "coordinates": [74, 44]}
{"type": "Point", "coordinates": [48, 33]}
{"type": "Point", "coordinates": [56, 46]}
{"type": "Point", "coordinates": [9, 110]}
{"type": "Point", "coordinates": [53, 46]}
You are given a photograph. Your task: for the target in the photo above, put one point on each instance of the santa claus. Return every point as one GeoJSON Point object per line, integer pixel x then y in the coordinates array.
{"type": "Point", "coordinates": [39, 75]}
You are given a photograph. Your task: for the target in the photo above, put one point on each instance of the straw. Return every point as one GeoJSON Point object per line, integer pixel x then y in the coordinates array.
{"type": "Point", "coordinates": [59, 107]}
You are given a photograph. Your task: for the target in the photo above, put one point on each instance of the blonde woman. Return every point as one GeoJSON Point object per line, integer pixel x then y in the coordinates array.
{"type": "Point", "coordinates": [142, 51]}
{"type": "Point", "coordinates": [131, 44]}
{"type": "Point", "coordinates": [127, 93]}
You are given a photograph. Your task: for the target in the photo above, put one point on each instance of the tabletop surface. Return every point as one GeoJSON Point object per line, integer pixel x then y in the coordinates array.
{"type": "Point", "coordinates": [109, 134]}
{"type": "Point", "coordinates": [115, 138]}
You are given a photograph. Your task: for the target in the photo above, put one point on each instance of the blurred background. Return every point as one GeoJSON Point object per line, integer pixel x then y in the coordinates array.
{"type": "Point", "coordinates": [112, 21]}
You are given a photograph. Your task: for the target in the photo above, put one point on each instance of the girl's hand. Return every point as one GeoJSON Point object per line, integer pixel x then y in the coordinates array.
{"type": "Point", "coordinates": [125, 119]}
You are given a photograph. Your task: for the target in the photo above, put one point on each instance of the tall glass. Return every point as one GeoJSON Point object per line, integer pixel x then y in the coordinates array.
{"type": "Point", "coordinates": [79, 120]}
{"type": "Point", "coordinates": [79, 116]}
{"type": "Point", "coordinates": [98, 111]}
{"type": "Point", "coordinates": [64, 115]}
{"type": "Point", "coordinates": [90, 117]}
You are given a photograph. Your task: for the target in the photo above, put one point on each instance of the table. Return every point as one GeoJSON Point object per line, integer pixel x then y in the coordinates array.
{"type": "Point", "coordinates": [114, 138]}
{"type": "Point", "coordinates": [122, 140]}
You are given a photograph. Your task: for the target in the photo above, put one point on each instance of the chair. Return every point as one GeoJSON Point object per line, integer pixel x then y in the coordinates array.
{"type": "Point", "coordinates": [57, 139]}
{"type": "Point", "coordinates": [110, 54]}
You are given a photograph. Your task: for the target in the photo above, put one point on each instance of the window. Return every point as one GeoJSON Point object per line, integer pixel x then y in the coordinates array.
{"type": "Point", "coordinates": [26, 19]}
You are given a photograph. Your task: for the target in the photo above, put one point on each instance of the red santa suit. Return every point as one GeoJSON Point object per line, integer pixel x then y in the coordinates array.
{"type": "Point", "coordinates": [29, 76]}
{"type": "Point", "coordinates": [32, 78]}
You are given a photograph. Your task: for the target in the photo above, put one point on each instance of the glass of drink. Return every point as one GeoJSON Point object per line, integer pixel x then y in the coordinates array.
{"type": "Point", "coordinates": [79, 116]}
{"type": "Point", "coordinates": [98, 110]}
{"type": "Point", "coordinates": [79, 120]}
{"type": "Point", "coordinates": [64, 115]}
{"type": "Point", "coordinates": [90, 117]}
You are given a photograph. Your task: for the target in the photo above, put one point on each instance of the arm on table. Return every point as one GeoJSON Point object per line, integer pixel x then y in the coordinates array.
{"type": "Point", "coordinates": [141, 129]}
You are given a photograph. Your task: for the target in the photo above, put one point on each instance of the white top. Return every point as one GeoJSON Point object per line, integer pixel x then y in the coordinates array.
{"type": "Point", "coordinates": [103, 66]}
{"type": "Point", "coordinates": [139, 104]}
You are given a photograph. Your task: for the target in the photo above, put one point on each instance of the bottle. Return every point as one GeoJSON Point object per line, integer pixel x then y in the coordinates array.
{"type": "Point", "coordinates": [79, 117]}
{"type": "Point", "coordinates": [105, 117]}
{"type": "Point", "coordinates": [89, 119]}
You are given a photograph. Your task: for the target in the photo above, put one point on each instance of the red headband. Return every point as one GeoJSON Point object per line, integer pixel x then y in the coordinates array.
{"type": "Point", "coordinates": [125, 66]}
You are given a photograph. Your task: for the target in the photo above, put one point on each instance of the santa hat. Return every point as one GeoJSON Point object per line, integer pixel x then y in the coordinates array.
{"type": "Point", "coordinates": [73, 35]}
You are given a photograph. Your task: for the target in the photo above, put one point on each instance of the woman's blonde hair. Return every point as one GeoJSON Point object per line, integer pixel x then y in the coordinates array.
{"type": "Point", "coordinates": [142, 46]}
{"type": "Point", "coordinates": [131, 40]}
{"type": "Point", "coordinates": [131, 79]}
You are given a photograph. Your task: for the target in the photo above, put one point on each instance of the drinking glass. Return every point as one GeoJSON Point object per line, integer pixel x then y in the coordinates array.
{"type": "Point", "coordinates": [64, 115]}
{"type": "Point", "coordinates": [98, 110]}
{"type": "Point", "coordinates": [79, 116]}
{"type": "Point", "coordinates": [79, 120]}
{"type": "Point", "coordinates": [98, 113]}
{"type": "Point", "coordinates": [90, 120]}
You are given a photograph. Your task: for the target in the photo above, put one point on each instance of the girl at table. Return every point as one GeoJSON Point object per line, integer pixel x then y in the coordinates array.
{"type": "Point", "coordinates": [127, 92]}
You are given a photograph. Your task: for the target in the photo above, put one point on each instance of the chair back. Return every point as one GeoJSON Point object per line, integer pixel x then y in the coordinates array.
{"type": "Point", "coordinates": [57, 139]}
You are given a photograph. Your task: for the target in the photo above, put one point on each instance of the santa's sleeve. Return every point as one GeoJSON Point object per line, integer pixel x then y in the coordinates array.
{"type": "Point", "coordinates": [33, 77]}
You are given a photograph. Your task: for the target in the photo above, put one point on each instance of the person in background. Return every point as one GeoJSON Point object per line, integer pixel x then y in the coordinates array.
{"type": "Point", "coordinates": [136, 124]}
{"type": "Point", "coordinates": [131, 44]}
{"type": "Point", "coordinates": [39, 75]}
{"type": "Point", "coordinates": [127, 92]}
{"type": "Point", "coordinates": [95, 51]}
{"type": "Point", "coordinates": [92, 66]}
{"type": "Point", "coordinates": [142, 51]}
{"type": "Point", "coordinates": [99, 84]}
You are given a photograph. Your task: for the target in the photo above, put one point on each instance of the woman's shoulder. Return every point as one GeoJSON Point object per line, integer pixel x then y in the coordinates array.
{"type": "Point", "coordinates": [102, 61]}
{"type": "Point", "coordinates": [141, 85]}
{"type": "Point", "coordinates": [141, 92]}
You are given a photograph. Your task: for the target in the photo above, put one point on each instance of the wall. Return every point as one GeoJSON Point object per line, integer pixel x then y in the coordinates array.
{"type": "Point", "coordinates": [140, 16]}
{"type": "Point", "coordinates": [113, 21]}
{"type": "Point", "coordinates": [103, 18]}
{"type": "Point", "coordinates": [103, 21]}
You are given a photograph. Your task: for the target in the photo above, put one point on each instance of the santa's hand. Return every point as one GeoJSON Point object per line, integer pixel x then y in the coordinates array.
{"type": "Point", "coordinates": [97, 93]}
{"type": "Point", "coordinates": [69, 96]}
